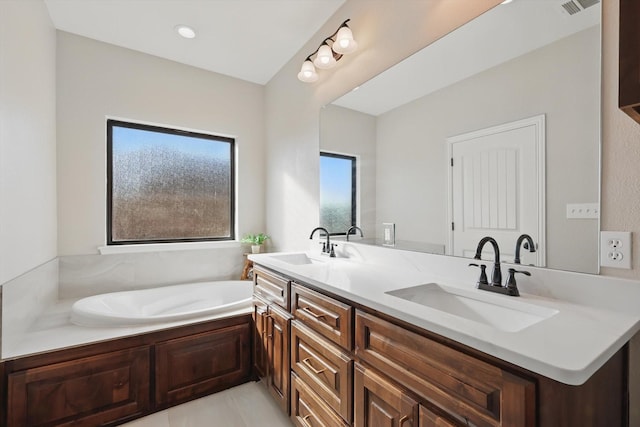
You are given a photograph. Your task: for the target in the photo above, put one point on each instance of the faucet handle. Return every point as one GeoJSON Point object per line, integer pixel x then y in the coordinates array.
{"type": "Point", "coordinates": [332, 253]}
{"type": "Point", "coordinates": [324, 247]}
{"type": "Point", "coordinates": [512, 288]}
{"type": "Point", "coordinates": [483, 274]}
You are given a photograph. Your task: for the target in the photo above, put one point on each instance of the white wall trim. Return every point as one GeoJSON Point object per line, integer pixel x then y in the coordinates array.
{"type": "Point", "coordinates": [165, 247]}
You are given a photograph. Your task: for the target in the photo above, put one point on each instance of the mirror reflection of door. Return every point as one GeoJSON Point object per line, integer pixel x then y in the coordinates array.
{"type": "Point", "coordinates": [496, 189]}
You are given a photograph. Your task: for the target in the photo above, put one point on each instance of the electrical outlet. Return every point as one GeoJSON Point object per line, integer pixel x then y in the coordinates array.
{"type": "Point", "coordinates": [615, 249]}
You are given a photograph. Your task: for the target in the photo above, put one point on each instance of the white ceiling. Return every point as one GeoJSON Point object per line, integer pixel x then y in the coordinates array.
{"type": "Point", "coordinates": [501, 34]}
{"type": "Point", "coordinates": [247, 39]}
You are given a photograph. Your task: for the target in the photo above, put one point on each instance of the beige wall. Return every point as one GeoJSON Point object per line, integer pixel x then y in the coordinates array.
{"type": "Point", "coordinates": [345, 131]}
{"type": "Point", "coordinates": [96, 80]}
{"type": "Point", "coordinates": [27, 137]}
{"type": "Point", "coordinates": [412, 153]}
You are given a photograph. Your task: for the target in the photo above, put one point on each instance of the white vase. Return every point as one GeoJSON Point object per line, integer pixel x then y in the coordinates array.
{"type": "Point", "coordinates": [255, 249]}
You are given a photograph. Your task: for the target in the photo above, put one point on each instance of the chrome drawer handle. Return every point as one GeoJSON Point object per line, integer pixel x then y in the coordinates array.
{"type": "Point", "coordinates": [308, 364]}
{"type": "Point", "coordinates": [311, 313]}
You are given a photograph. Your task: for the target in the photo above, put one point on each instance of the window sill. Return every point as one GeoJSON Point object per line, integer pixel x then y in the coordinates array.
{"type": "Point", "coordinates": [166, 247]}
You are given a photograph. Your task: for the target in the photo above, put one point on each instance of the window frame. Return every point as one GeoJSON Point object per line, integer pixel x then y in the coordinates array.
{"type": "Point", "coordinates": [171, 131]}
{"type": "Point", "coordinates": [354, 186]}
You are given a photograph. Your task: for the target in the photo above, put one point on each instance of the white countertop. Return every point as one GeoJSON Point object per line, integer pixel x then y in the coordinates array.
{"type": "Point", "coordinates": [569, 346]}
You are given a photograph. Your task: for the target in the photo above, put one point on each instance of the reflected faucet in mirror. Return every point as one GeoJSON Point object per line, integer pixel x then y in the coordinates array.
{"type": "Point", "coordinates": [527, 245]}
{"type": "Point", "coordinates": [354, 228]}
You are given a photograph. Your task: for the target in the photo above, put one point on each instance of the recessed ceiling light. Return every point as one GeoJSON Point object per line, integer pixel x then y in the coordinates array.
{"type": "Point", "coordinates": [185, 31]}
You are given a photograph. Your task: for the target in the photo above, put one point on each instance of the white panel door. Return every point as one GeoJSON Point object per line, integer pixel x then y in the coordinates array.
{"type": "Point", "coordinates": [496, 188]}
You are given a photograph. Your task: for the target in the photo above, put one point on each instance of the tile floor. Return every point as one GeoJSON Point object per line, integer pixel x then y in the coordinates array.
{"type": "Point", "coordinates": [246, 405]}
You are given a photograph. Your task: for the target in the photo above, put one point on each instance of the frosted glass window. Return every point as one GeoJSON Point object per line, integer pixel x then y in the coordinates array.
{"type": "Point", "coordinates": [337, 192]}
{"type": "Point", "coordinates": [166, 185]}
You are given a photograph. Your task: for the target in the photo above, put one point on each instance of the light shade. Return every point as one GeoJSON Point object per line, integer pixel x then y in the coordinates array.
{"type": "Point", "coordinates": [308, 72]}
{"type": "Point", "coordinates": [344, 41]}
{"type": "Point", "coordinates": [325, 58]}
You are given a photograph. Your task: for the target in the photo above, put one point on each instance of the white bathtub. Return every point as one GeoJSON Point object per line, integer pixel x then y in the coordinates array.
{"type": "Point", "coordinates": [163, 304]}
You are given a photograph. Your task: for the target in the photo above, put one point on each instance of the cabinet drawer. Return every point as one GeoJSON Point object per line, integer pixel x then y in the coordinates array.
{"type": "Point", "coordinates": [201, 364]}
{"type": "Point", "coordinates": [308, 409]}
{"type": "Point", "coordinates": [271, 287]}
{"type": "Point", "coordinates": [323, 314]}
{"type": "Point", "coordinates": [433, 418]}
{"type": "Point", "coordinates": [324, 366]}
{"type": "Point", "coordinates": [460, 384]}
{"type": "Point", "coordinates": [90, 391]}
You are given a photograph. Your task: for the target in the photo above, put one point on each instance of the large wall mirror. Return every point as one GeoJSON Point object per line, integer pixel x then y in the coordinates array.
{"type": "Point", "coordinates": [526, 72]}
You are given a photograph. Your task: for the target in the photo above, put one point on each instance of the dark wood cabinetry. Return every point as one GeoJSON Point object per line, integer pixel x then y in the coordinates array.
{"type": "Point", "coordinates": [278, 365]}
{"type": "Point", "coordinates": [272, 333]}
{"type": "Point", "coordinates": [114, 381]}
{"type": "Point", "coordinates": [629, 51]}
{"type": "Point", "coordinates": [85, 392]}
{"type": "Point", "coordinates": [380, 402]}
{"type": "Point", "coordinates": [465, 387]}
{"type": "Point", "coordinates": [308, 409]}
{"type": "Point", "coordinates": [201, 364]}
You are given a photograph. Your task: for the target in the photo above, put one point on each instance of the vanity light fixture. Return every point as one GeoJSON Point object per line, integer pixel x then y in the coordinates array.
{"type": "Point", "coordinates": [185, 31]}
{"type": "Point", "coordinates": [328, 53]}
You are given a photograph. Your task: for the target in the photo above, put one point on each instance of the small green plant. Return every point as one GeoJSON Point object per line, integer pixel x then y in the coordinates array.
{"type": "Point", "coordinates": [255, 239]}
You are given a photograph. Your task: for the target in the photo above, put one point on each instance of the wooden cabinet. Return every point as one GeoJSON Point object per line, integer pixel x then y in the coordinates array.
{"type": "Point", "coordinates": [278, 368]}
{"type": "Point", "coordinates": [629, 61]}
{"type": "Point", "coordinates": [113, 381]}
{"type": "Point", "coordinates": [201, 364]}
{"type": "Point", "coordinates": [325, 367]}
{"type": "Point", "coordinates": [271, 342]}
{"type": "Point", "coordinates": [82, 392]}
{"type": "Point", "coordinates": [270, 286]}
{"type": "Point", "coordinates": [380, 402]}
{"type": "Point", "coordinates": [260, 353]}
{"type": "Point", "coordinates": [325, 315]}
{"type": "Point", "coordinates": [463, 386]}
{"type": "Point", "coordinates": [308, 409]}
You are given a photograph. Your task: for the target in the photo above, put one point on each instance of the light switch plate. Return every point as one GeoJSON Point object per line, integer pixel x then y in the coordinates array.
{"type": "Point", "coordinates": [615, 249]}
{"type": "Point", "coordinates": [389, 234]}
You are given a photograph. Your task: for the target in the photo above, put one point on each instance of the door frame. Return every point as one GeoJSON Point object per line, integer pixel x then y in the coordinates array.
{"type": "Point", "coordinates": [539, 124]}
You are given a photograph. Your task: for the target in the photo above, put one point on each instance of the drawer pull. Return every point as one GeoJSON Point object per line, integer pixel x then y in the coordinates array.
{"type": "Point", "coordinates": [306, 418]}
{"type": "Point", "coordinates": [402, 420]}
{"type": "Point", "coordinates": [311, 313]}
{"type": "Point", "coordinates": [307, 363]}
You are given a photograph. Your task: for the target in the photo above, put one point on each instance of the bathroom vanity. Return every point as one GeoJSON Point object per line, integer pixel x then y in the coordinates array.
{"type": "Point", "coordinates": [331, 358]}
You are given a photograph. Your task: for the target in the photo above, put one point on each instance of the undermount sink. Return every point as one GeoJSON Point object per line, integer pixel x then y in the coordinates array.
{"type": "Point", "coordinates": [509, 315]}
{"type": "Point", "coordinates": [297, 259]}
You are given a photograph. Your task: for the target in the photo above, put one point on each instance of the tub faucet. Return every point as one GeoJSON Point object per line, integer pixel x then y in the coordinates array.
{"type": "Point", "coordinates": [496, 277]}
{"type": "Point", "coordinates": [527, 245]}
{"type": "Point", "coordinates": [354, 228]}
{"type": "Point", "coordinates": [326, 246]}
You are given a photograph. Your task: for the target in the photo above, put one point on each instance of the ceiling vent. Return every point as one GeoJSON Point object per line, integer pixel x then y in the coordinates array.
{"type": "Point", "coordinates": [572, 7]}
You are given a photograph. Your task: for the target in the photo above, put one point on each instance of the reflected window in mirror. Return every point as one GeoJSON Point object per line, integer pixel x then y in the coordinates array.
{"type": "Point", "coordinates": [337, 192]}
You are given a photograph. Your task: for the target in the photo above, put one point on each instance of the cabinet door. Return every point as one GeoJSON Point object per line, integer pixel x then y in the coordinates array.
{"type": "Point", "coordinates": [201, 364]}
{"type": "Point", "coordinates": [260, 353]}
{"type": "Point", "coordinates": [379, 402]}
{"type": "Point", "coordinates": [84, 392]}
{"type": "Point", "coordinates": [278, 370]}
